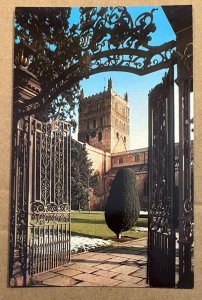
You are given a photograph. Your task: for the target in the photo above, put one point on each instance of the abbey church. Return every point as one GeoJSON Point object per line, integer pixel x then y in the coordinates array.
{"type": "Point", "coordinates": [104, 131]}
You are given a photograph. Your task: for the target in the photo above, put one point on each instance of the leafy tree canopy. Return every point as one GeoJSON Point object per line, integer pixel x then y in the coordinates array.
{"type": "Point", "coordinates": [56, 45]}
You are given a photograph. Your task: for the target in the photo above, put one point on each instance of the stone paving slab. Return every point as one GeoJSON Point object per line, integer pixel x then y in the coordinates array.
{"type": "Point", "coordinates": [84, 283]}
{"type": "Point", "coordinates": [128, 256]}
{"type": "Point", "coordinates": [88, 263]}
{"type": "Point", "coordinates": [60, 280]}
{"type": "Point", "coordinates": [117, 259]}
{"type": "Point", "coordinates": [127, 278]}
{"type": "Point", "coordinates": [69, 272]}
{"type": "Point", "coordinates": [101, 256]}
{"type": "Point", "coordinates": [83, 268]}
{"type": "Point", "coordinates": [43, 276]}
{"type": "Point", "coordinates": [120, 265]}
{"type": "Point", "coordinates": [94, 258]}
{"type": "Point", "coordinates": [100, 280]}
{"type": "Point", "coordinates": [107, 266]}
{"type": "Point", "coordinates": [124, 269]}
{"type": "Point", "coordinates": [62, 268]}
{"type": "Point", "coordinates": [130, 262]}
{"type": "Point", "coordinates": [108, 274]}
{"type": "Point", "coordinates": [127, 284]}
{"type": "Point", "coordinates": [140, 273]}
{"type": "Point", "coordinates": [142, 283]}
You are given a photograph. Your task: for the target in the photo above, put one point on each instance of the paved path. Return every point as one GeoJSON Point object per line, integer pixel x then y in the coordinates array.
{"type": "Point", "coordinates": [121, 266]}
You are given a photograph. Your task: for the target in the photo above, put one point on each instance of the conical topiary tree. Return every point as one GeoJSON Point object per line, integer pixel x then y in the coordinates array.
{"type": "Point", "coordinates": [122, 207]}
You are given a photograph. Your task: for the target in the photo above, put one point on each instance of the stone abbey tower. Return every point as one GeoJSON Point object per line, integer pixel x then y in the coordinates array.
{"type": "Point", "coordinates": [104, 121]}
{"type": "Point", "coordinates": [104, 132]}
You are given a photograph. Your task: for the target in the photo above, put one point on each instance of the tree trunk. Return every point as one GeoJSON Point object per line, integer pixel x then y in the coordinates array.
{"type": "Point", "coordinates": [119, 236]}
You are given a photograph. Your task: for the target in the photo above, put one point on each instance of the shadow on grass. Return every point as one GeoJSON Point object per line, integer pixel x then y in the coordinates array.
{"type": "Point", "coordinates": [140, 222]}
{"type": "Point", "coordinates": [97, 236]}
{"type": "Point", "coordinates": [78, 220]}
{"type": "Point", "coordinates": [88, 235]}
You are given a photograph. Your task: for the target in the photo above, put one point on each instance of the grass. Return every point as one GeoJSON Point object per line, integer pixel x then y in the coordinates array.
{"type": "Point", "coordinates": [93, 225]}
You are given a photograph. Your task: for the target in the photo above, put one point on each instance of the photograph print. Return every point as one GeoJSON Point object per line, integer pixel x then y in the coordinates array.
{"type": "Point", "coordinates": [102, 170]}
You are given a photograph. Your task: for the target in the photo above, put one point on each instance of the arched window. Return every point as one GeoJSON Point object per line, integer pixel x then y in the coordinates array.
{"type": "Point", "coordinates": [87, 138]}
{"type": "Point", "coordinates": [94, 123]}
{"type": "Point", "coordinates": [117, 135]}
{"type": "Point", "coordinates": [99, 136]}
{"type": "Point", "coordinates": [121, 160]}
{"type": "Point", "coordinates": [124, 139]}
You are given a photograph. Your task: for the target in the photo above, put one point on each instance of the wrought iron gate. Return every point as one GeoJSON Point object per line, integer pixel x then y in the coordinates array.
{"type": "Point", "coordinates": [161, 235]}
{"type": "Point", "coordinates": [41, 197]}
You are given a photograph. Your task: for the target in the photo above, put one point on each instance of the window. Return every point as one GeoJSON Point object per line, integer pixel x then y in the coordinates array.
{"type": "Point", "coordinates": [94, 123]}
{"type": "Point", "coordinates": [137, 158]}
{"type": "Point", "coordinates": [87, 138]}
{"type": "Point", "coordinates": [117, 135]}
{"type": "Point", "coordinates": [99, 136]}
{"type": "Point", "coordinates": [88, 125]}
{"type": "Point", "coordinates": [124, 139]}
{"type": "Point", "coordinates": [121, 160]}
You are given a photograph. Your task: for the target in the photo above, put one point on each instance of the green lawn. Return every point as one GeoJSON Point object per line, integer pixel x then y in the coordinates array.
{"type": "Point", "coordinates": [93, 225]}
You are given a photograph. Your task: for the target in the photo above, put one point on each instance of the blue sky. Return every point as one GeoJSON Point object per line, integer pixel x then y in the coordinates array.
{"type": "Point", "coordinates": [136, 86]}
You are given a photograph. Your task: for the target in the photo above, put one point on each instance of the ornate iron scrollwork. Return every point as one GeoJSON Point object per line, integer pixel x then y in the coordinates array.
{"type": "Point", "coordinates": [110, 40]}
{"type": "Point", "coordinates": [51, 199]}
{"type": "Point", "coordinates": [107, 28]}
{"type": "Point", "coordinates": [115, 41]}
{"type": "Point", "coordinates": [161, 204]}
{"type": "Point", "coordinates": [161, 234]}
{"type": "Point", "coordinates": [42, 198]}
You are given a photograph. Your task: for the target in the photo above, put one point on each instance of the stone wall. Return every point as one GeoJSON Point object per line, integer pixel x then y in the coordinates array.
{"type": "Point", "coordinates": [130, 158]}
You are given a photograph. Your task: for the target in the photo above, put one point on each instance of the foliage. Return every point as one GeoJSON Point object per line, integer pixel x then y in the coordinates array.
{"type": "Point", "coordinates": [55, 45]}
{"type": "Point", "coordinates": [122, 207]}
{"type": "Point", "coordinates": [81, 168]}
{"type": "Point", "coordinates": [93, 225]}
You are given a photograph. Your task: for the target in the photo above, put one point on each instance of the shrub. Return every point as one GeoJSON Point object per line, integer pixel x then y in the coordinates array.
{"type": "Point", "coordinates": [122, 207]}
